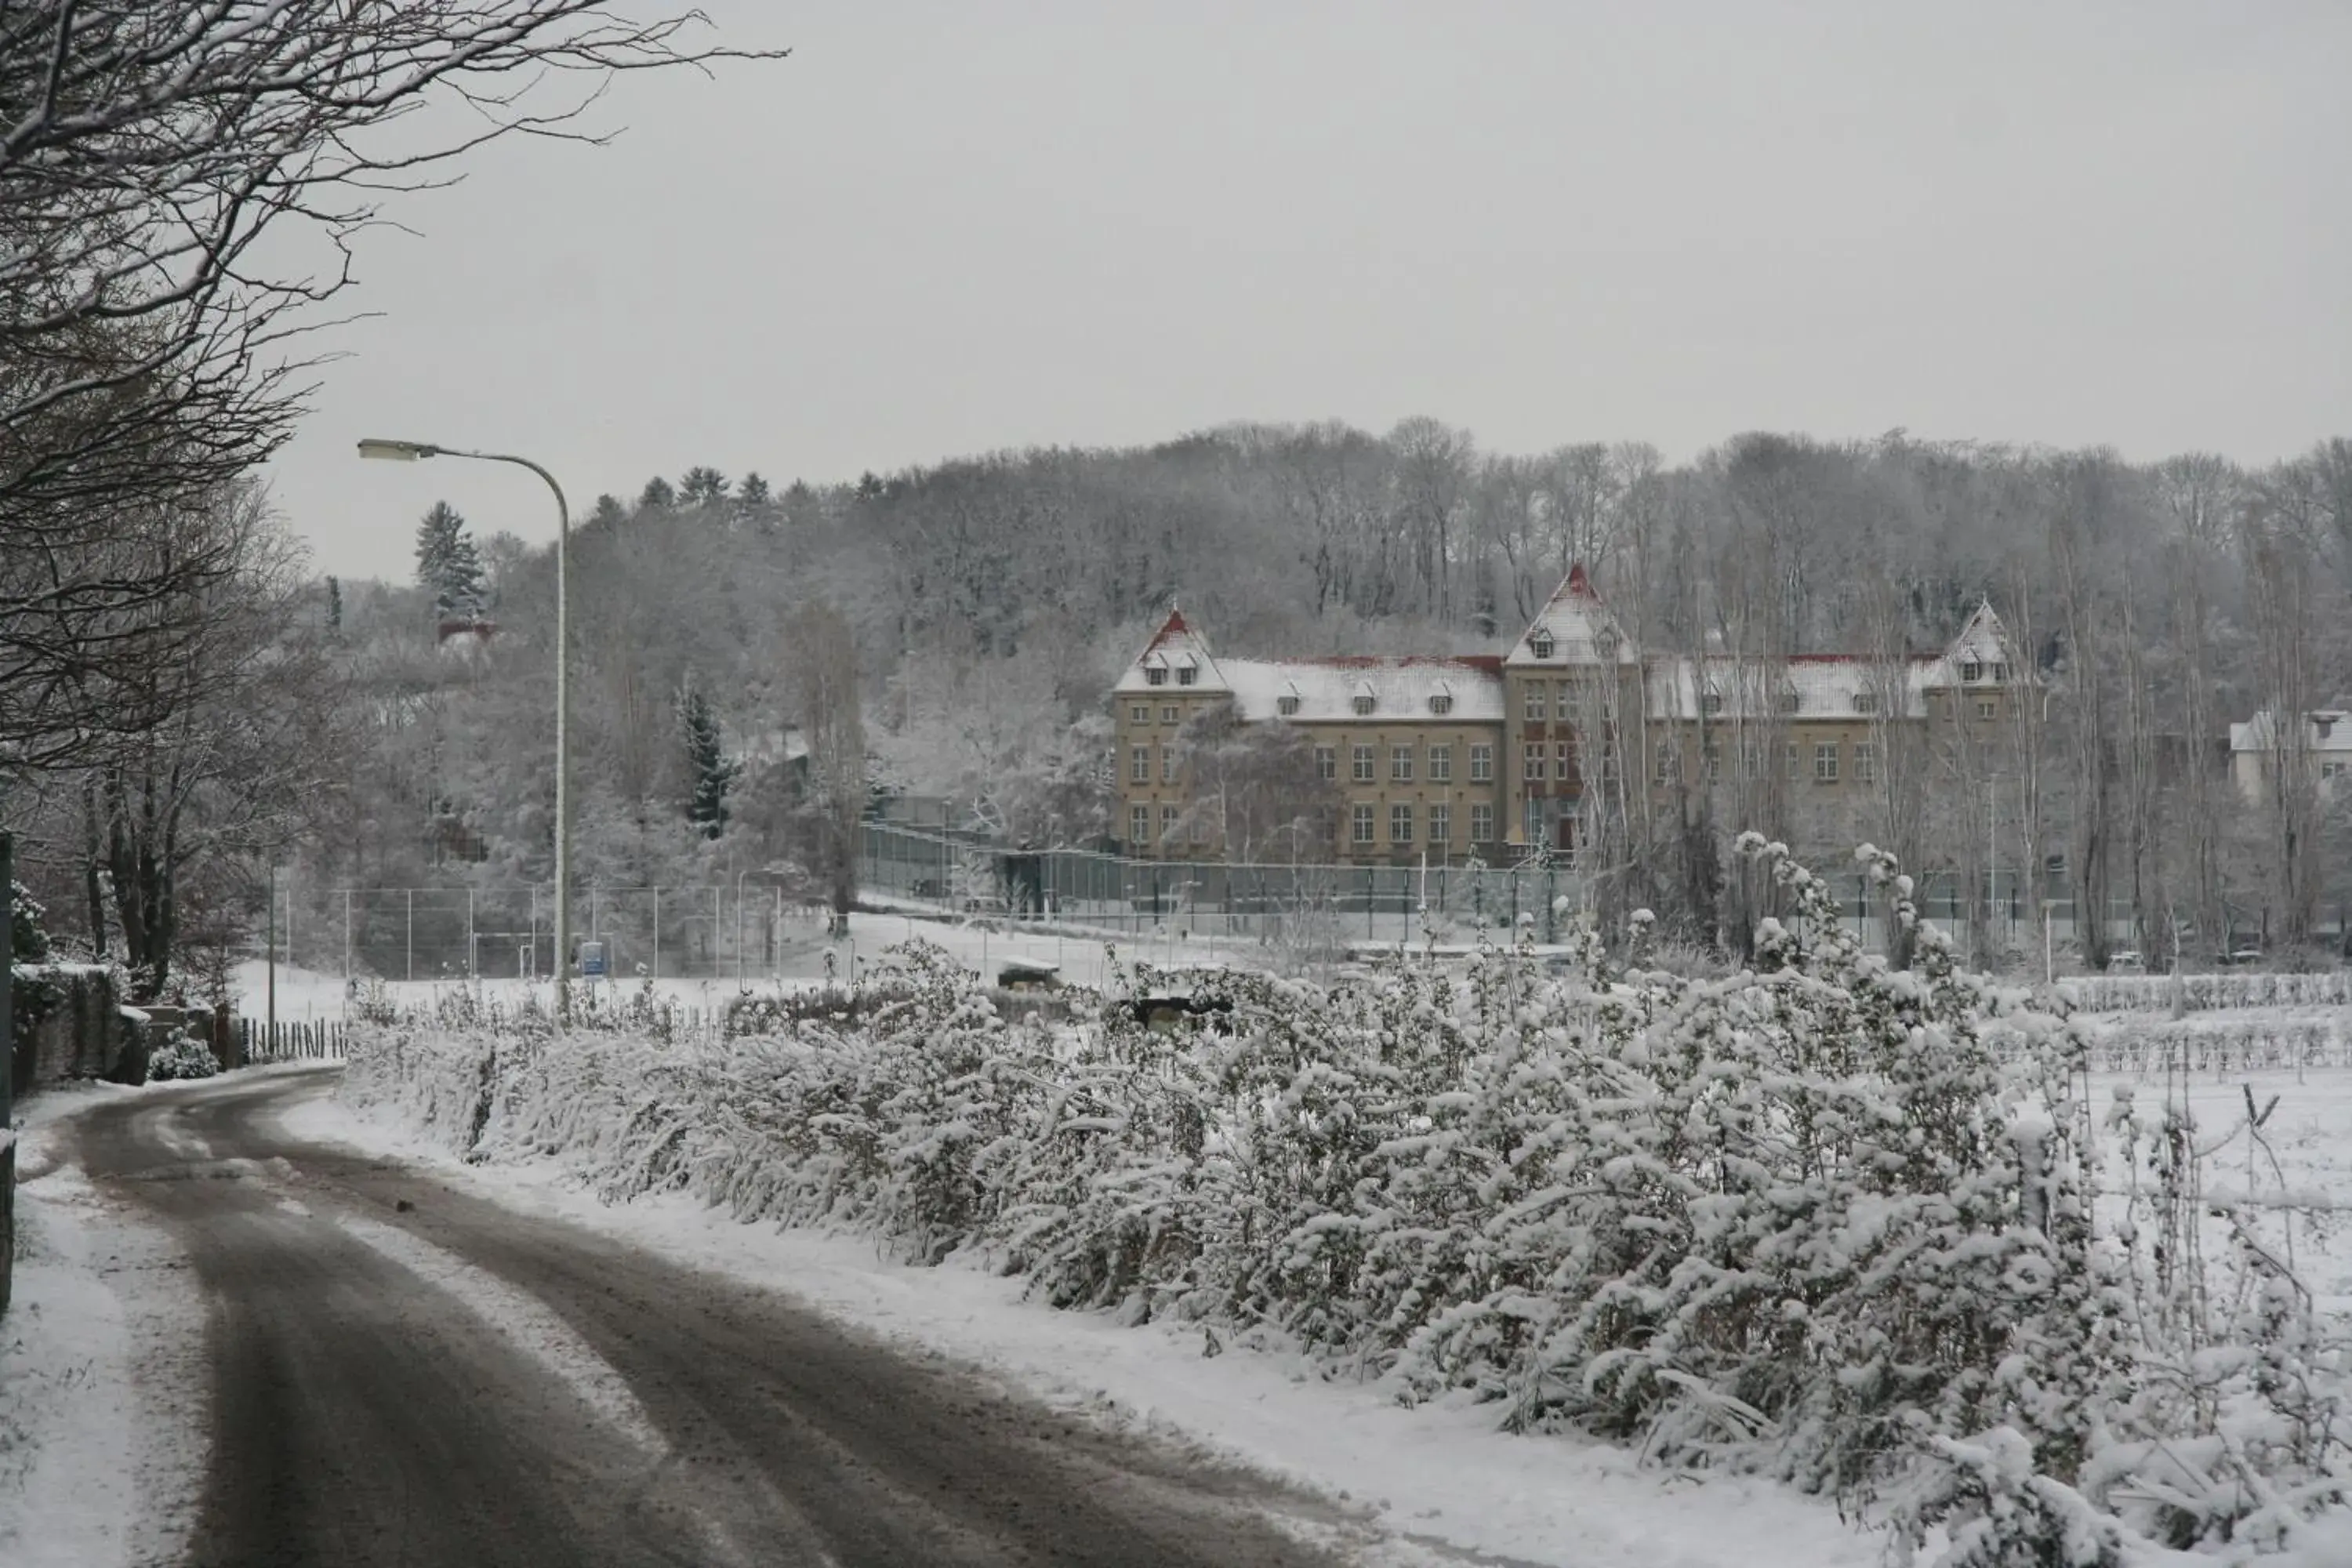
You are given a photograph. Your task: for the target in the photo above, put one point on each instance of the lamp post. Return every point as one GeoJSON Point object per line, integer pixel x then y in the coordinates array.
{"type": "Point", "coordinates": [410, 452]}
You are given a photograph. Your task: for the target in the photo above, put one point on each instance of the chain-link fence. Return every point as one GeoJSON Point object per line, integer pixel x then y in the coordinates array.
{"type": "Point", "coordinates": [507, 932]}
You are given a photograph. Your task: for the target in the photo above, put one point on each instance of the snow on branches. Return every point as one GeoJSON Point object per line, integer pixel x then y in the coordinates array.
{"type": "Point", "coordinates": [1825, 1218]}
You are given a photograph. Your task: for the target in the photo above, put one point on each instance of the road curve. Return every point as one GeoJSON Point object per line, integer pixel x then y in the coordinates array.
{"type": "Point", "coordinates": [403, 1374]}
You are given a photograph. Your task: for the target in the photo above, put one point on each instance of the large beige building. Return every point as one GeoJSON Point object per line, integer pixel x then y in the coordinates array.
{"type": "Point", "coordinates": [1504, 755]}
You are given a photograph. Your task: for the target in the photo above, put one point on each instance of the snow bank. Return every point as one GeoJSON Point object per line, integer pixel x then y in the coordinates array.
{"type": "Point", "coordinates": [1827, 1221]}
{"type": "Point", "coordinates": [102, 1425]}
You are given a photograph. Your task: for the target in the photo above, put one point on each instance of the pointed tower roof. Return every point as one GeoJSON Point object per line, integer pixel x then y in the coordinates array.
{"type": "Point", "coordinates": [1574, 627]}
{"type": "Point", "coordinates": [1179, 655]}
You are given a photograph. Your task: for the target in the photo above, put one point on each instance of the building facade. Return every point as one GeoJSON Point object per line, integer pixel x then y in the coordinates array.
{"type": "Point", "coordinates": [1503, 756]}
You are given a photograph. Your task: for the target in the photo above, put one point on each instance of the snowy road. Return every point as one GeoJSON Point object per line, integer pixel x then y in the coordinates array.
{"type": "Point", "coordinates": [404, 1374]}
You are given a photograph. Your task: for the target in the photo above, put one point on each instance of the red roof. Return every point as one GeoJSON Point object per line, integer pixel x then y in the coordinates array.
{"type": "Point", "coordinates": [1580, 586]}
{"type": "Point", "coordinates": [1169, 627]}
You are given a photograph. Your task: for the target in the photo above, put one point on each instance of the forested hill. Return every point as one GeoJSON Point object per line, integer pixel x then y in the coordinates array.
{"type": "Point", "coordinates": [993, 598]}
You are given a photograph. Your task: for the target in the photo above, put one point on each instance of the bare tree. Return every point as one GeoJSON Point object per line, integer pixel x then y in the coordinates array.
{"type": "Point", "coordinates": [152, 349]}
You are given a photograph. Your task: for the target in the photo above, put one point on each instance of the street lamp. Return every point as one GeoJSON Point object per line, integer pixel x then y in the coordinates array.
{"type": "Point", "coordinates": [409, 452]}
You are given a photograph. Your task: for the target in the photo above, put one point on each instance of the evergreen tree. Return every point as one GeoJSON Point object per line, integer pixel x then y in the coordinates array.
{"type": "Point", "coordinates": [656, 495]}
{"type": "Point", "coordinates": [608, 513]}
{"type": "Point", "coordinates": [711, 773]}
{"type": "Point", "coordinates": [335, 607]}
{"type": "Point", "coordinates": [702, 486]}
{"type": "Point", "coordinates": [754, 491]}
{"type": "Point", "coordinates": [448, 562]}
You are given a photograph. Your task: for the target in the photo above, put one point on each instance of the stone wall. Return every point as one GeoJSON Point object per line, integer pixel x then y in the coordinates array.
{"type": "Point", "coordinates": [70, 1022]}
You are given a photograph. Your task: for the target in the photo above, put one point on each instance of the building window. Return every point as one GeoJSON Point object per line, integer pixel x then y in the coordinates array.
{"type": "Point", "coordinates": [1668, 757]}
{"type": "Point", "coordinates": [2331, 770]}
{"type": "Point", "coordinates": [1482, 824]}
{"type": "Point", "coordinates": [1790, 761]}
{"type": "Point", "coordinates": [1285, 705]}
{"type": "Point", "coordinates": [1441, 764]}
{"type": "Point", "coordinates": [1986, 706]}
{"type": "Point", "coordinates": [1168, 713]}
{"type": "Point", "coordinates": [1360, 824]}
{"type": "Point", "coordinates": [1711, 703]}
{"type": "Point", "coordinates": [1866, 701]}
{"type": "Point", "coordinates": [1712, 756]}
{"type": "Point", "coordinates": [1443, 702]}
{"type": "Point", "coordinates": [1865, 762]}
{"type": "Point", "coordinates": [1167, 765]}
{"type": "Point", "coordinates": [1559, 755]}
{"type": "Point", "coordinates": [1139, 714]}
{"type": "Point", "coordinates": [1401, 764]}
{"type": "Point", "coordinates": [1790, 702]}
{"type": "Point", "coordinates": [1362, 759]}
{"type": "Point", "coordinates": [1188, 675]}
{"type": "Point", "coordinates": [1482, 764]}
{"type": "Point", "coordinates": [1535, 707]}
{"type": "Point", "coordinates": [1751, 759]}
{"type": "Point", "coordinates": [1970, 670]}
{"type": "Point", "coordinates": [1167, 823]}
{"type": "Point", "coordinates": [1139, 825]}
{"type": "Point", "coordinates": [1568, 702]}
{"type": "Point", "coordinates": [1532, 763]}
{"type": "Point", "coordinates": [1362, 704]}
{"type": "Point", "coordinates": [1825, 761]}
{"type": "Point", "coordinates": [1139, 766]}
{"type": "Point", "coordinates": [1996, 671]}
{"type": "Point", "coordinates": [1539, 645]}
{"type": "Point", "coordinates": [1200, 833]}
{"type": "Point", "coordinates": [1400, 825]}
{"type": "Point", "coordinates": [1327, 762]}
{"type": "Point", "coordinates": [1156, 675]}
{"type": "Point", "coordinates": [1441, 826]}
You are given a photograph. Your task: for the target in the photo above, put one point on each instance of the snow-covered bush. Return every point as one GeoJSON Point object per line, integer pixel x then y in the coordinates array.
{"type": "Point", "coordinates": [181, 1055]}
{"type": "Point", "coordinates": [1822, 1217]}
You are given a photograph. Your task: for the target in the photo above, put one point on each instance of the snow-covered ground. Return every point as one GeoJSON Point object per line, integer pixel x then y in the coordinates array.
{"type": "Point", "coordinates": [101, 1391]}
{"type": "Point", "coordinates": [1444, 1475]}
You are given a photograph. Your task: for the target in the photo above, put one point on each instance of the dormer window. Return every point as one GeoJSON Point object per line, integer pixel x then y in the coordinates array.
{"type": "Point", "coordinates": [1362, 704]}
{"type": "Point", "coordinates": [1441, 703]}
{"type": "Point", "coordinates": [1188, 675]}
{"type": "Point", "coordinates": [1971, 671]}
{"type": "Point", "coordinates": [1790, 702]}
{"type": "Point", "coordinates": [1155, 675]}
{"type": "Point", "coordinates": [1866, 701]}
{"type": "Point", "coordinates": [1711, 703]}
{"type": "Point", "coordinates": [1999, 670]}
{"type": "Point", "coordinates": [1541, 644]}
{"type": "Point", "coordinates": [1287, 704]}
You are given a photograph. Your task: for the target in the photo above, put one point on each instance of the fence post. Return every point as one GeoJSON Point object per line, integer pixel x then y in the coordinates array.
{"type": "Point", "coordinates": [412, 934]}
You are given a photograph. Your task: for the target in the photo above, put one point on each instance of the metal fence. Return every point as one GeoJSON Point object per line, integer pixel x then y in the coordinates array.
{"type": "Point", "coordinates": [963, 873]}
{"type": "Point", "coordinates": [507, 931]}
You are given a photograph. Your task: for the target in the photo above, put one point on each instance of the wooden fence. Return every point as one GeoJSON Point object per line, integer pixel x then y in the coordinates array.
{"type": "Point", "coordinates": [309, 1042]}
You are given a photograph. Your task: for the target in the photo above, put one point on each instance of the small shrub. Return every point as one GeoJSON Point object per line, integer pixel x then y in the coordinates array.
{"type": "Point", "coordinates": [181, 1055]}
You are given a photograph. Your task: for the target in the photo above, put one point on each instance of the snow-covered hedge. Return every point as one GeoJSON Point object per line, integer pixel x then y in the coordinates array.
{"type": "Point", "coordinates": [1823, 1219]}
{"type": "Point", "coordinates": [2207, 992]}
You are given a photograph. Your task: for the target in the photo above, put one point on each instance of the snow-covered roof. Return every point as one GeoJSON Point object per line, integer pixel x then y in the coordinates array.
{"type": "Point", "coordinates": [1174, 647]}
{"type": "Point", "coordinates": [2324, 730]}
{"type": "Point", "coordinates": [1467, 688]}
{"type": "Point", "coordinates": [1826, 686]}
{"type": "Point", "coordinates": [1574, 627]}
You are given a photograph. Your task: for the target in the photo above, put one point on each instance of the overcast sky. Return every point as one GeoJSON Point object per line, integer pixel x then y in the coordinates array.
{"type": "Point", "coordinates": [943, 228]}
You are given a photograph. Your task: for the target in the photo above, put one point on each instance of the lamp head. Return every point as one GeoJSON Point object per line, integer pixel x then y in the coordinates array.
{"type": "Point", "coordinates": [397, 451]}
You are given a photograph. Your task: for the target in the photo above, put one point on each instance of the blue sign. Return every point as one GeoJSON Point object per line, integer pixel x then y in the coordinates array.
{"type": "Point", "coordinates": [591, 959]}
